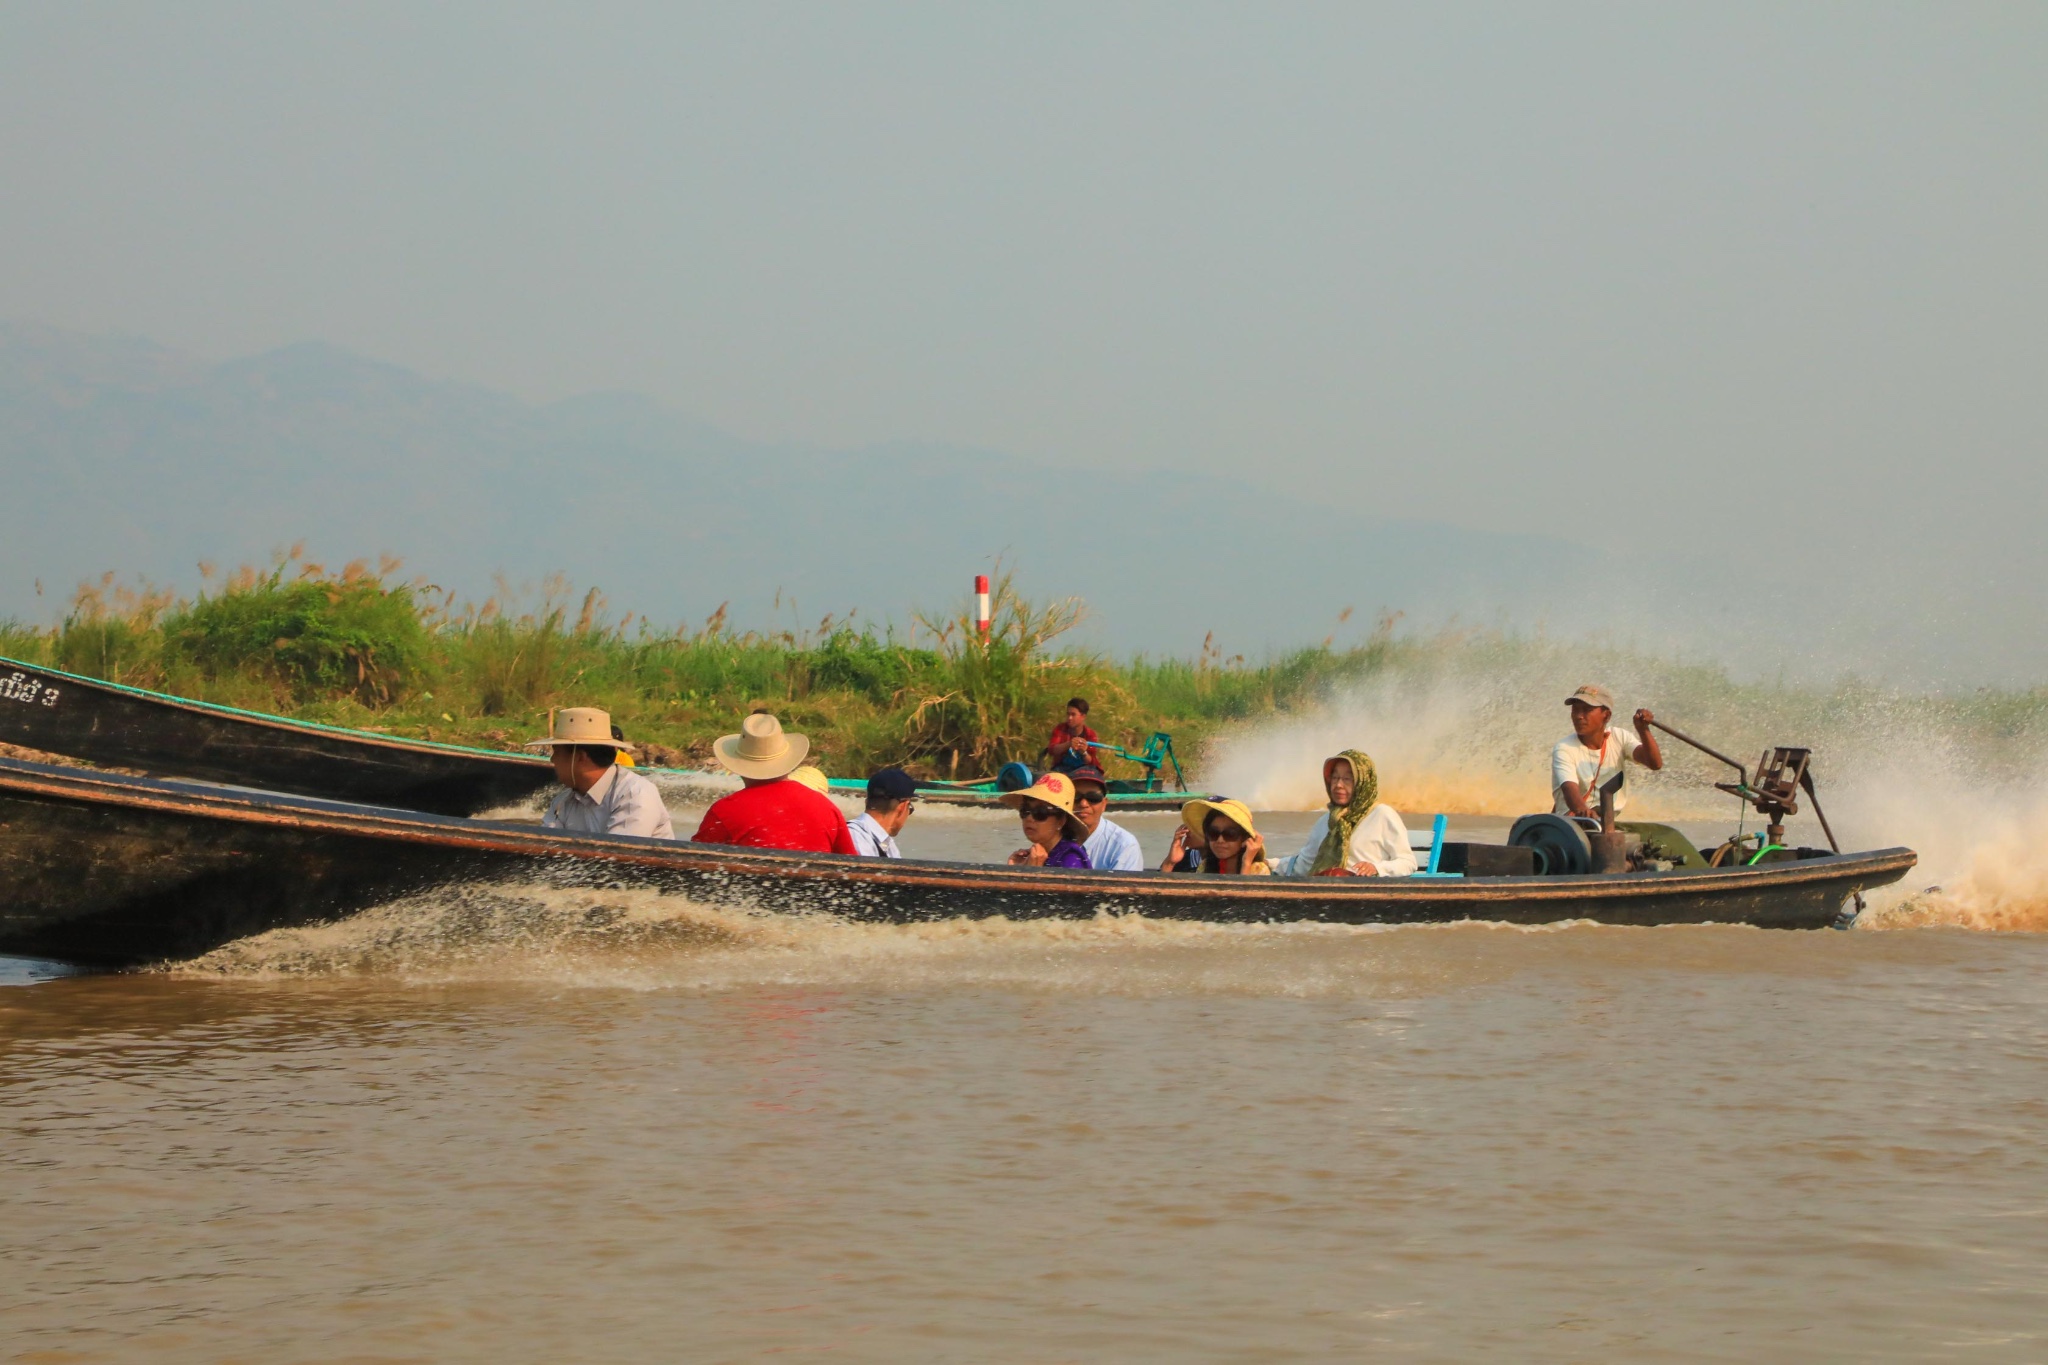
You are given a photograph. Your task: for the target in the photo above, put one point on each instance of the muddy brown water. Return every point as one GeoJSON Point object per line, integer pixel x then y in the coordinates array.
{"type": "Point", "coordinates": [512, 1124]}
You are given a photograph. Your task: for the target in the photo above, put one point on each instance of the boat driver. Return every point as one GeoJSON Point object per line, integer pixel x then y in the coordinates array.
{"type": "Point", "coordinates": [599, 796]}
{"type": "Point", "coordinates": [1595, 753]}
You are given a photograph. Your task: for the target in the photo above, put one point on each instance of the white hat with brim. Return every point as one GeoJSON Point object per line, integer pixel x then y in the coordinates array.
{"type": "Point", "coordinates": [1055, 790]}
{"type": "Point", "coordinates": [761, 750]}
{"type": "Point", "coordinates": [578, 725]}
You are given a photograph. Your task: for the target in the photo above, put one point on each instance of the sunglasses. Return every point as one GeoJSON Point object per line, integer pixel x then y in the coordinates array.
{"type": "Point", "coordinates": [1230, 834]}
{"type": "Point", "coordinates": [1038, 810]}
{"type": "Point", "coordinates": [1092, 798]}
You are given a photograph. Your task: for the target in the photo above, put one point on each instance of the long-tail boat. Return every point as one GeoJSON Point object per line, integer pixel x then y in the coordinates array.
{"type": "Point", "coordinates": [111, 870]}
{"type": "Point", "coordinates": [117, 726]}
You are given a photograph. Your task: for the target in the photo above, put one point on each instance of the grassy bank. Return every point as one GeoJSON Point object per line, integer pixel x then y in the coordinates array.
{"type": "Point", "coordinates": [362, 647]}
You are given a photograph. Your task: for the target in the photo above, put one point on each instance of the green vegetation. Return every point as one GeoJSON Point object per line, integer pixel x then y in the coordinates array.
{"type": "Point", "coordinates": [362, 648]}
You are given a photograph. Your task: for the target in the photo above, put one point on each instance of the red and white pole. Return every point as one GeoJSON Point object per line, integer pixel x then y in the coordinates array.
{"type": "Point", "coordinates": [981, 605]}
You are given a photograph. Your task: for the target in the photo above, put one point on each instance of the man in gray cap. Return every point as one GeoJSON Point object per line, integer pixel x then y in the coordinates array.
{"type": "Point", "coordinates": [1593, 753]}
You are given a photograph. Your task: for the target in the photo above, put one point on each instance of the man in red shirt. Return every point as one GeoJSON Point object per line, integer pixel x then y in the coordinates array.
{"type": "Point", "coordinates": [1068, 747]}
{"type": "Point", "coordinates": [771, 811]}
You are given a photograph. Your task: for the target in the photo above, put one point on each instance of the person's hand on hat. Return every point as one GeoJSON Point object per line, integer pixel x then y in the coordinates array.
{"type": "Point", "coordinates": [1254, 849]}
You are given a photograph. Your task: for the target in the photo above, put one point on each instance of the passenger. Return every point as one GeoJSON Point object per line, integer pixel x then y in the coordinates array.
{"type": "Point", "coordinates": [890, 803]}
{"type": "Point", "coordinates": [1046, 808]}
{"type": "Point", "coordinates": [771, 811]}
{"type": "Point", "coordinates": [1068, 747]}
{"type": "Point", "coordinates": [1111, 847]}
{"type": "Point", "coordinates": [1217, 836]}
{"type": "Point", "coordinates": [1595, 752]}
{"type": "Point", "coordinates": [814, 778]}
{"type": "Point", "coordinates": [625, 759]}
{"type": "Point", "coordinates": [601, 797]}
{"type": "Point", "coordinates": [1356, 836]}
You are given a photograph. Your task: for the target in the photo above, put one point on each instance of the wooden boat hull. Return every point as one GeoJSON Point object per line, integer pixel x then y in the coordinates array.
{"type": "Point", "coordinates": [109, 870]}
{"type": "Point", "coordinates": [126, 727]}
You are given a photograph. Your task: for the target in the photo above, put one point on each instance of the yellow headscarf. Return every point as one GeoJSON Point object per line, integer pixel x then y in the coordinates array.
{"type": "Point", "coordinates": [1365, 793]}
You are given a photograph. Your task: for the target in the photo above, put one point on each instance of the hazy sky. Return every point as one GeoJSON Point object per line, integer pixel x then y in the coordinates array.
{"type": "Point", "coordinates": [1713, 278]}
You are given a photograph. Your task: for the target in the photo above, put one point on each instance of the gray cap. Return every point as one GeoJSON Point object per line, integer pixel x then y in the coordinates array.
{"type": "Point", "coordinates": [1592, 696]}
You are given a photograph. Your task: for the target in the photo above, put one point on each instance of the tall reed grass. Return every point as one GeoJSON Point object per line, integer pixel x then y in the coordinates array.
{"type": "Point", "coordinates": [361, 646]}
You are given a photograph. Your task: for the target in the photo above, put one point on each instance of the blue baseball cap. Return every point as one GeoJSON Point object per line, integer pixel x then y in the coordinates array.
{"type": "Point", "coordinates": [891, 784]}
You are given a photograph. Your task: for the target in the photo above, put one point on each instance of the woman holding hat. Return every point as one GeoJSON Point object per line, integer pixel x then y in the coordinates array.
{"type": "Point", "coordinates": [770, 810]}
{"type": "Point", "coordinates": [1356, 836]}
{"type": "Point", "coordinates": [1046, 808]}
{"type": "Point", "coordinates": [1222, 838]}
{"type": "Point", "coordinates": [599, 796]}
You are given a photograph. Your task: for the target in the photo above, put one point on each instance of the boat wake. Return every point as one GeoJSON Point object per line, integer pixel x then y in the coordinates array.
{"type": "Point", "coordinates": [649, 940]}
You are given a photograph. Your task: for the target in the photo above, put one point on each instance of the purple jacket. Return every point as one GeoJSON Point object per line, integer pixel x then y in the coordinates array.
{"type": "Point", "coordinates": [1067, 853]}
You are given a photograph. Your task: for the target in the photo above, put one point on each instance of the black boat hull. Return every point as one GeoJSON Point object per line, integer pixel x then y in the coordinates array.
{"type": "Point", "coordinates": [122, 727]}
{"type": "Point", "coordinates": [116, 871]}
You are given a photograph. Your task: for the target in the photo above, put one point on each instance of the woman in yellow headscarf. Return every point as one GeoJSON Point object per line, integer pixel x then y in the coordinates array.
{"type": "Point", "coordinates": [1356, 836]}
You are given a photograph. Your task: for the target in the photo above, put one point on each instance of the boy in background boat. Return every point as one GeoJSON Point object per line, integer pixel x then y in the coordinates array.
{"type": "Point", "coordinates": [1067, 750]}
{"type": "Point", "coordinates": [599, 796]}
{"type": "Point", "coordinates": [771, 810]}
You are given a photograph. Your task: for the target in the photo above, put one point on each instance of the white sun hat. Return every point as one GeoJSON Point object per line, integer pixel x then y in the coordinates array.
{"type": "Point", "coordinates": [761, 750]}
{"type": "Point", "coordinates": [578, 725]}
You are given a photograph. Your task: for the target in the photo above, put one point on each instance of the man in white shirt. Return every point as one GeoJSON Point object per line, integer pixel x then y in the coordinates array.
{"type": "Point", "coordinates": [889, 806]}
{"type": "Point", "coordinates": [1111, 847]}
{"type": "Point", "coordinates": [599, 796]}
{"type": "Point", "coordinates": [1594, 754]}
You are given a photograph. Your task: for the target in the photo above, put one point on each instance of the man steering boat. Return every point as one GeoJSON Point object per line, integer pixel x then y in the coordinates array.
{"type": "Point", "coordinates": [1595, 753]}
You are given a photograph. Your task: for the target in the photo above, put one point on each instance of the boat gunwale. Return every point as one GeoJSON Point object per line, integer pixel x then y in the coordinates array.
{"type": "Point", "coordinates": [531, 841]}
{"type": "Point", "coordinates": [265, 718]}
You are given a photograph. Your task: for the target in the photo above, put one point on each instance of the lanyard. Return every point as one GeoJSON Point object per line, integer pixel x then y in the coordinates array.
{"type": "Point", "coordinates": [1606, 738]}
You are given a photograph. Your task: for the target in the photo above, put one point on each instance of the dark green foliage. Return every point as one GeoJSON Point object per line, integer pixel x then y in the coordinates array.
{"type": "Point", "coordinates": [352, 636]}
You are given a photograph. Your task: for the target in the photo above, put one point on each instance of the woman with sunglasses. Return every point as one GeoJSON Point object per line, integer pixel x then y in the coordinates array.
{"type": "Point", "coordinates": [1046, 808]}
{"type": "Point", "coordinates": [1217, 836]}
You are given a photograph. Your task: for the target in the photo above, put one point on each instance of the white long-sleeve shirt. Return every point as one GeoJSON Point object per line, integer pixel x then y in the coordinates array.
{"type": "Point", "coordinates": [1112, 848]}
{"type": "Point", "coordinates": [870, 839]}
{"type": "Point", "coordinates": [1380, 839]}
{"type": "Point", "coordinates": [620, 802]}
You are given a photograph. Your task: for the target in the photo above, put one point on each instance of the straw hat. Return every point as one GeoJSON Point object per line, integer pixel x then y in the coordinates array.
{"type": "Point", "coordinates": [814, 778]}
{"type": "Point", "coordinates": [761, 750]}
{"type": "Point", "coordinates": [1057, 791]}
{"type": "Point", "coordinates": [1195, 815]}
{"type": "Point", "coordinates": [578, 725]}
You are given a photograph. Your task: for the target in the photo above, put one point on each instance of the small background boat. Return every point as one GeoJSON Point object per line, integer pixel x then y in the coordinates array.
{"type": "Point", "coordinates": [127, 727]}
{"type": "Point", "coordinates": [116, 726]}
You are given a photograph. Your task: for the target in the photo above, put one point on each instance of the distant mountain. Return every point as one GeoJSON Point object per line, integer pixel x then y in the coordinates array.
{"type": "Point", "coordinates": [122, 455]}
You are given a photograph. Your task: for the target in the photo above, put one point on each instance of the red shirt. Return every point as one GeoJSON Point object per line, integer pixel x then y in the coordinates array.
{"type": "Point", "coordinates": [1062, 737]}
{"type": "Point", "coordinates": [782, 814]}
